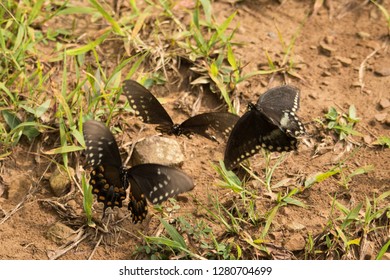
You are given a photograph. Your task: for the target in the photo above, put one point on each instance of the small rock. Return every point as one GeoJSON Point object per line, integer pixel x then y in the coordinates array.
{"type": "Point", "coordinates": [345, 61]}
{"type": "Point", "coordinates": [323, 66]}
{"type": "Point", "coordinates": [285, 211]}
{"type": "Point", "coordinates": [336, 65]}
{"type": "Point", "coordinates": [367, 91]}
{"type": "Point", "coordinates": [374, 45]}
{"type": "Point", "coordinates": [264, 83]}
{"type": "Point", "coordinates": [298, 59]}
{"type": "Point", "coordinates": [356, 84]}
{"type": "Point", "coordinates": [353, 56]}
{"type": "Point", "coordinates": [296, 242]}
{"type": "Point", "coordinates": [380, 117]}
{"type": "Point", "coordinates": [363, 35]}
{"type": "Point", "coordinates": [60, 181]}
{"type": "Point", "coordinates": [295, 226]}
{"type": "Point", "coordinates": [76, 207]}
{"type": "Point", "coordinates": [374, 14]}
{"type": "Point", "coordinates": [384, 103]}
{"type": "Point", "coordinates": [72, 203]}
{"type": "Point", "coordinates": [60, 233]}
{"type": "Point", "coordinates": [325, 49]}
{"type": "Point", "coordinates": [382, 70]}
{"type": "Point", "coordinates": [326, 74]}
{"type": "Point", "coordinates": [387, 120]}
{"type": "Point", "coordinates": [159, 150]}
{"type": "Point", "coordinates": [367, 139]}
{"type": "Point", "coordinates": [276, 235]}
{"type": "Point", "coordinates": [272, 35]}
{"type": "Point", "coordinates": [329, 39]}
{"type": "Point", "coordinates": [313, 94]}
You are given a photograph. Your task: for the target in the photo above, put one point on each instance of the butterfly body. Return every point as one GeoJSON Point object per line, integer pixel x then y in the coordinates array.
{"type": "Point", "coordinates": [269, 124]}
{"type": "Point", "coordinates": [147, 107]}
{"type": "Point", "coordinates": [110, 179]}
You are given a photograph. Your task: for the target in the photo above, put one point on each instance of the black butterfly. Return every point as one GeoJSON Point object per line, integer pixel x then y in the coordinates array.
{"type": "Point", "coordinates": [110, 179]}
{"type": "Point", "coordinates": [146, 106]}
{"type": "Point", "coordinates": [270, 124]}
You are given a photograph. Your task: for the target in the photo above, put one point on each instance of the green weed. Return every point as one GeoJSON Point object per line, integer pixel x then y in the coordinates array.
{"type": "Point", "coordinates": [382, 141]}
{"type": "Point", "coordinates": [346, 233]}
{"type": "Point", "coordinates": [342, 124]}
{"type": "Point", "coordinates": [87, 201]}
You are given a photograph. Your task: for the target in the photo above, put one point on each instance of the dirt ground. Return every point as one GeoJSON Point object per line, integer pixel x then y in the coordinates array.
{"type": "Point", "coordinates": [341, 57]}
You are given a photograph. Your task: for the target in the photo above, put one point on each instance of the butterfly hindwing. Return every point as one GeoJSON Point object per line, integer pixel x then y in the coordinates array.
{"type": "Point", "coordinates": [205, 124]}
{"type": "Point", "coordinates": [108, 186]}
{"type": "Point", "coordinates": [270, 124]}
{"type": "Point", "coordinates": [103, 156]}
{"type": "Point", "coordinates": [145, 104]}
{"type": "Point", "coordinates": [155, 182]}
{"type": "Point", "coordinates": [251, 133]}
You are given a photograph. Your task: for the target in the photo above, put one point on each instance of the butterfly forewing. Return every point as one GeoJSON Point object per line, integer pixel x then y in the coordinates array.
{"type": "Point", "coordinates": [280, 98]}
{"type": "Point", "coordinates": [101, 145]}
{"type": "Point", "coordinates": [145, 105]}
{"type": "Point", "coordinates": [205, 124]}
{"type": "Point", "coordinates": [103, 156]}
{"type": "Point", "coordinates": [272, 124]}
{"type": "Point", "coordinates": [279, 105]}
{"type": "Point", "coordinates": [155, 182]}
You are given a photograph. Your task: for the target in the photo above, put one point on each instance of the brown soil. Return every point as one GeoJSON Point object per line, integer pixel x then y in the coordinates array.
{"type": "Point", "coordinates": [350, 32]}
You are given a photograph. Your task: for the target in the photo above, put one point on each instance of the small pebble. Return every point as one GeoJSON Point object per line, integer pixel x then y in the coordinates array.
{"type": "Point", "coordinates": [295, 243]}
{"type": "Point", "coordinates": [384, 103]}
{"type": "Point", "coordinates": [380, 117]}
{"type": "Point", "coordinates": [383, 70]}
{"type": "Point", "coordinates": [367, 139]}
{"type": "Point", "coordinates": [363, 35]}
{"type": "Point", "coordinates": [329, 39]}
{"type": "Point", "coordinates": [327, 50]}
{"type": "Point", "coordinates": [295, 226]}
{"type": "Point", "coordinates": [60, 233]}
{"type": "Point", "coordinates": [60, 181]}
{"type": "Point", "coordinates": [345, 61]}
{"type": "Point", "coordinates": [156, 149]}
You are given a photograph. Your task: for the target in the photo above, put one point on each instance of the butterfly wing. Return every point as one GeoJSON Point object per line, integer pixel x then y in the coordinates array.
{"type": "Point", "coordinates": [145, 105]}
{"type": "Point", "coordinates": [219, 122]}
{"type": "Point", "coordinates": [103, 156]}
{"type": "Point", "coordinates": [155, 182]}
{"type": "Point", "coordinates": [252, 132]}
{"type": "Point", "coordinates": [280, 105]}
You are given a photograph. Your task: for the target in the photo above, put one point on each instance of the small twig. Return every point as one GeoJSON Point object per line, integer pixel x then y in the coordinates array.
{"type": "Point", "coordinates": [80, 237]}
{"type": "Point", "coordinates": [96, 246]}
{"type": "Point", "coordinates": [363, 67]}
{"type": "Point", "coordinates": [133, 143]}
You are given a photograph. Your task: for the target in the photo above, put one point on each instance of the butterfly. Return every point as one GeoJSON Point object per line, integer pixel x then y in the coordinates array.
{"type": "Point", "coordinates": [110, 179]}
{"type": "Point", "coordinates": [147, 107]}
{"type": "Point", "coordinates": [271, 124]}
